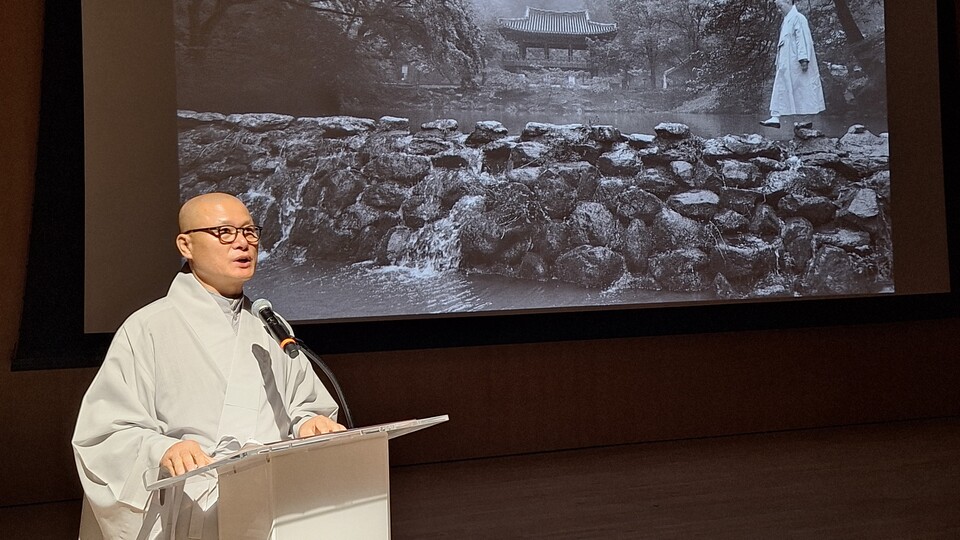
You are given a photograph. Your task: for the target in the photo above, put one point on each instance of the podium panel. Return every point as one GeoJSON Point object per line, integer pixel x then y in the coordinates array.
{"type": "Point", "coordinates": [339, 490]}
{"type": "Point", "coordinates": [335, 485]}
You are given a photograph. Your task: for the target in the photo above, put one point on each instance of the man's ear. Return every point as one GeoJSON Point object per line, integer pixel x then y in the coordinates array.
{"type": "Point", "coordinates": [185, 246]}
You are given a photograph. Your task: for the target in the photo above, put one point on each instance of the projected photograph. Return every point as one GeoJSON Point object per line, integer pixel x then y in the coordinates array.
{"type": "Point", "coordinates": [412, 158]}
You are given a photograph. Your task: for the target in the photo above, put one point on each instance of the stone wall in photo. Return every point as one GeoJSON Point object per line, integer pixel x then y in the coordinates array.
{"type": "Point", "coordinates": [740, 215]}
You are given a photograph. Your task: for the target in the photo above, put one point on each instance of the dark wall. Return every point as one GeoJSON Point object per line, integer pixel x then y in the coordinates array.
{"type": "Point", "coordinates": [501, 399]}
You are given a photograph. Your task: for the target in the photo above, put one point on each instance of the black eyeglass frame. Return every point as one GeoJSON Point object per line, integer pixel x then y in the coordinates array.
{"type": "Point", "coordinates": [252, 230]}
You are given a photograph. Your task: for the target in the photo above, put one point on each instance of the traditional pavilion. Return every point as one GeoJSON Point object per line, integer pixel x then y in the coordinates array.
{"type": "Point", "coordinates": [545, 29]}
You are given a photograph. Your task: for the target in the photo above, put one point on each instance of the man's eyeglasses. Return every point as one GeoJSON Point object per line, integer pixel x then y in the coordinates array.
{"type": "Point", "coordinates": [228, 233]}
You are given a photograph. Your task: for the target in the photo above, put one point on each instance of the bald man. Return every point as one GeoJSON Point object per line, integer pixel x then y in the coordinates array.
{"type": "Point", "coordinates": [191, 376]}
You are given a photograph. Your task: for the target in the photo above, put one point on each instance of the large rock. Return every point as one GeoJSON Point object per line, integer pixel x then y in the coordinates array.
{"type": "Point", "coordinates": [879, 182]}
{"type": "Point", "coordinates": [398, 167]}
{"type": "Point", "coordinates": [379, 143]}
{"type": "Point", "coordinates": [526, 175]}
{"type": "Point", "coordinates": [684, 172]}
{"type": "Point", "coordinates": [589, 151]}
{"type": "Point", "coordinates": [686, 149]}
{"type": "Point", "coordinates": [314, 232]}
{"type": "Point", "coordinates": [818, 145]}
{"type": "Point", "coordinates": [672, 130]}
{"type": "Point", "coordinates": [637, 246]}
{"type": "Point", "coordinates": [361, 229]}
{"type": "Point", "coordinates": [780, 183]}
{"type": "Point", "coordinates": [605, 134]}
{"type": "Point", "coordinates": [765, 221]}
{"type": "Point", "coordinates": [340, 126]}
{"type": "Point", "coordinates": [260, 122]}
{"type": "Point", "coordinates": [743, 201]}
{"type": "Point", "coordinates": [681, 270]}
{"type": "Point", "coordinates": [730, 222]}
{"type": "Point", "coordinates": [820, 180]}
{"type": "Point", "coordinates": [496, 155]}
{"type": "Point", "coordinates": [480, 238]}
{"type": "Point", "coordinates": [266, 212]}
{"type": "Point", "coordinates": [608, 189]}
{"type": "Point", "coordinates": [590, 266]}
{"type": "Point", "coordinates": [797, 237]}
{"type": "Point", "coordinates": [385, 195]}
{"type": "Point", "coordinates": [393, 123]}
{"type": "Point", "coordinates": [529, 154]}
{"type": "Point", "coordinates": [486, 132]}
{"type": "Point", "coordinates": [862, 209]}
{"type": "Point", "coordinates": [697, 204]}
{"type": "Point", "coordinates": [656, 182]}
{"type": "Point", "coordinates": [622, 161]}
{"type": "Point", "coordinates": [191, 119]}
{"type": "Point", "coordinates": [394, 245]}
{"type": "Point", "coordinates": [341, 189]}
{"type": "Point", "coordinates": [846, 239]}
{"type": "Point", "coordinates": [574, 174]}
{"type": "Point", "coordinates": [739, 174]}
{"type": "Point", "coordinates": [740, 147]}
{"type": "Point", "coordinates": [420, 209]}
{"type": "Point", "coordinates": [674, 231]}
{"type": "Point", "coordinates": [552, 240]}
{"type": "Point", "coordinates": [534, 267]}
{"type": "Point", "coordinates": [818, 210]}
{"type": "Point", "coordinates": [746, 257]}
{"type": "Point", "coordinates": [452, 159]}
{"type": "Point", "coordinates": [513, 203]}
{"type": "Point", "coordinates": [640, 141]}
{"type": "Point", "coordinates": [634, 203]}
{"type": "Point", "coordinates": [428, 147]}
{"type": "Point", "coordinates": [442, 126]}
{"type": "Point", "coordinates": [556, 196]}
{"type": "Point", "coordinates": [571, 133]}
{"type": "Point", "coordinates": [591, 223]}
{"type": "Point", "coordinates": [833, 271]}
{"type": "Point", "coordinates": [859, 140]}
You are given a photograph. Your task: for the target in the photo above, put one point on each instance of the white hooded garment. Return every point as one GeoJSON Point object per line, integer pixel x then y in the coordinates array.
{"type": "Point", "coordinates": [796, 91]}
{"type": "Point", "coordinates": [177, 370]}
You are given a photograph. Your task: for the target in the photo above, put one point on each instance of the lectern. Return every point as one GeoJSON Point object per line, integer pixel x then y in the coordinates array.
{"type": "Point", "coordinates": [327, 486]}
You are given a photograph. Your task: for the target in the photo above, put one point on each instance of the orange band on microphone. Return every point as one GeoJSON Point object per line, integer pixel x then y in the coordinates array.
{"type": "Point", "coordinates": [288, 341]}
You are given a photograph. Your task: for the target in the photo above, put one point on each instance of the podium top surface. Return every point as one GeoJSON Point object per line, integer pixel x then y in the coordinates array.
{"type": "Point", "coordinates": [251, 451]}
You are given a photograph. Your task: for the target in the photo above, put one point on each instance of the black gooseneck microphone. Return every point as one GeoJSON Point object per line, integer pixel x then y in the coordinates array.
{"type": "Point", "coordinates": [281, 331]}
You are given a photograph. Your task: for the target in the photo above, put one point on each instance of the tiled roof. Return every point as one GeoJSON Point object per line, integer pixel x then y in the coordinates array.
{"type": "Point", "coordinates": [543, 21]}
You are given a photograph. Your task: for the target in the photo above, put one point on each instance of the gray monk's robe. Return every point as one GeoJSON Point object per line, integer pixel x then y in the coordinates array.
{"type": "Point", "coordinates": [178, 370]}
{"type": "Point", "coordinates": [796, 91]}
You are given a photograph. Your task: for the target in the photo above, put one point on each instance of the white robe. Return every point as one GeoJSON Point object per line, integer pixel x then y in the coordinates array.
{"type": "Point", "coordinates": [177, 370]}
{"type": "Point", "coordinates": [796, 91]}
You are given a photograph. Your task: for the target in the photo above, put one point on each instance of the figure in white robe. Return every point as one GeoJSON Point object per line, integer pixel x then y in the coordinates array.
{"type": "Point", "coordinates": [181, 369]}
{"type": "Point", "coordinates": [797, 89]}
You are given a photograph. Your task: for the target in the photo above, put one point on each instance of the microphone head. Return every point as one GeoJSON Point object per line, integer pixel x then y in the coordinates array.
{"type": "Point", "coordinates": [259, 305]}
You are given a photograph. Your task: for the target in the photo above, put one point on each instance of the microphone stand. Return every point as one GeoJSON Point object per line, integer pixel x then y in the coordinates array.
{"type": "Point", "coordinates": [347, 418]}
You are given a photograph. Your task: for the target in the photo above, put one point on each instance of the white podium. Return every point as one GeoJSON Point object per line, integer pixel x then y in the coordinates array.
{"type": "Point", "coordinates": [326, 486]}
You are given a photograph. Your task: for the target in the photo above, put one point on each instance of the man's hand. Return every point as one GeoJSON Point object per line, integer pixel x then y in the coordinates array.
{"type": "Point", "coordinates": [318, 425]}
{"type": "Point", "coordinates": [184, 456]}
{"type": "Point", "coordinates": [804, 64]}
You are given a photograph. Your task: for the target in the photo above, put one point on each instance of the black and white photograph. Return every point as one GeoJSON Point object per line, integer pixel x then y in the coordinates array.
{"type": "Point", "coordinates": [411, 158]}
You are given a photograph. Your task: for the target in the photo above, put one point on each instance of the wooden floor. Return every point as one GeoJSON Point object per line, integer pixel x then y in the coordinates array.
{"type": "Point", "coordinates": [899, 480]}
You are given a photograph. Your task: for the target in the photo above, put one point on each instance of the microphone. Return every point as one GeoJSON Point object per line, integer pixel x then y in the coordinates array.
{"type": "Point", "coordinates": [279, 330]}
